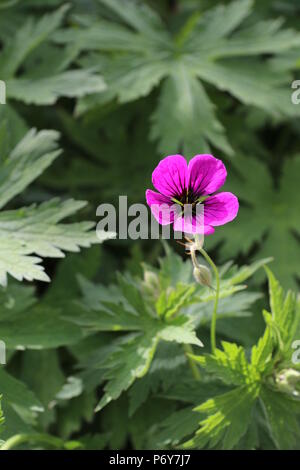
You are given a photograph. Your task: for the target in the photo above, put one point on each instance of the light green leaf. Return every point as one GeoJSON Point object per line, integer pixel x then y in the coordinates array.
{"type": "Point", "coordinates": [180, 334]}
{"type": "Point", "coordinates": [47, 90]}
{"type": "Point", "coordinates": [285, 313]}
{"type": "Point", "coordinates": [229, 416]}
{"type": "Point", "coordinates": [169, 305]}
{"type": "Point", "coordinates": [33, 154]}
{"type": "Point", "coordinates": [229, 365]}
{"type": "Point", "coordinates": [36, 229]}
{"type": "Point", "coordinates": [15, 260]}
{"type": "Point", "coordinates": [261, 354]}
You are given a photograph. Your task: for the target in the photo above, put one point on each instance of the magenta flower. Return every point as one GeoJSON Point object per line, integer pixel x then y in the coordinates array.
{"type": "Point", "coordinates": [193, 185]}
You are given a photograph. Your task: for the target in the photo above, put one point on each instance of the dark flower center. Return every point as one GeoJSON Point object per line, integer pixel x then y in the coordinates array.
{"type": "Point", "coordinates": [188, 196]}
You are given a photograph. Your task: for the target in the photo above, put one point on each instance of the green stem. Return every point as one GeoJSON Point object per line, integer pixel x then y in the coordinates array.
{"type": "Point", "coordinates": [14, 441]}
{"type": "Point", "coordinates": [214, 315]}
{"type": "Point", "coordinates": [18, 439]}
{"type": "Point", "coordinates": [177, 201]}
{"type": "Point", "coordinates": [194, 368]}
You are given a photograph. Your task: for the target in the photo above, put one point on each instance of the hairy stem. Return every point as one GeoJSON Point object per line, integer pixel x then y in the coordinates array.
{"type": "Point", "coordinates": [217, 293]}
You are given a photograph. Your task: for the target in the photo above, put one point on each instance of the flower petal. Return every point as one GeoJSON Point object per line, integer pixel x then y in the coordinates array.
{"type": "Point", "coordinates": [191, 224]}
{"type": "Point", "coordinates": [206, 174]}
{"type": "Point", "coordinates": [161, 207]}
{"type": "Point", "coordinates": [220, 209]}
{"type": "Point", "coordinates": [170, 175]}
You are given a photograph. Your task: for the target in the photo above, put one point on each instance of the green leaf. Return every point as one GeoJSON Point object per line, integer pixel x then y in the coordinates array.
{"type": "Point", "coordinates": [238, 275]}
{"type": "Point", "coordinates": [39, 327]}
{"type": "Point", "coordinates": [169, 305]}
{"type": "Point", "coordinates": [33, 154]}
{"type": "Point", "coordinates": [238, 306]}
{"type": "Point", "coordinates": [229, 417]}
{"type": "Point", "coordinates": [39, 230]}
{"type": "Point", "coordinates": [26, 323]}
{"type": "Point", "coordinates": [12, 130]}
{"type": "Point", "coordinates": [229, 365]}
{"type": "Point", "coordinates": [264, 37]}
{"type": "Point", "coordinates": [42, 373]}
{"type": "Point", "coordinates": [280, 227]}
{"type": "Point", "coordinates": [281, 410]}
{"type": "Point", "coordinates": [285, 310]}
{"type": "Point", "coordinates": [206, 48]}
{"type": "Point", "coordinates": [175, 270]}
{"type": "Point", "coordinates": [139, 16]}
{"type": "Point", "coordinates": [251, 83]}
{"type": "Point", "coordinates": [36, 229]}
{"type": "Point", "coordinates": [27, 38]}
{"type": "Point", "coordinates": [79, 410]}
{"type": "Point", "coordinates": [285, 318]}
{"type": "Point", "coordinates": [43, 82]}
{"type": "Point", "coordinates": [1, 416]}
{"type": "Point", "coordinates": [185, 117]}
{"type": "Point", "coordinates": [128, 364]}
{"type": "Point", "coordinates": [266, 366]}
{"type": "Point", "coordinates": [176, 427]}
{"type": "Point", "coordinates": [16, 395]}
{"type": "Point", "coordinates": [134, 358]}
{"type": "Point", "coordinates": [181, 332]}
{"type": "Point", "coordinates": [165, 373]}
{"type": "Point", "coordinates": [126, 309]}
{"type": "Point", "coordinates": [220, 21]}
{"type": "Point", "coordinates": [129, 84]}
{"type": "Point", "coordinates": [261, 353]}
{"type": "Point", "coordinates": [153, 314]}
{"type": "Point", "coordinates": [46, 91]}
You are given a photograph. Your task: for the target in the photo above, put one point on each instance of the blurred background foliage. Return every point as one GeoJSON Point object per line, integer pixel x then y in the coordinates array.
{"type": "Point", "coordinates": [127, 83]}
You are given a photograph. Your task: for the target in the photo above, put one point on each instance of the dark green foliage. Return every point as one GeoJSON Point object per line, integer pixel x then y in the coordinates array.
{"type": "Point", "coordinates": [104, 355]}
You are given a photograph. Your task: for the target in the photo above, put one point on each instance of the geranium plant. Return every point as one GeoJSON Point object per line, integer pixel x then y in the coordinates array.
{"type": "Point", "coordinates": [132, 343]}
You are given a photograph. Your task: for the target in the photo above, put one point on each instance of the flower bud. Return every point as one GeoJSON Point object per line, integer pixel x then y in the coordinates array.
{"type": "Point", "coordinates": [288, 381]}
{"type": "Point", "coordinates": [202, 275]}
{"type": "Point", "coordinates": [151, 279]}
{"type": "Point", "coordinates": [151, 283]}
